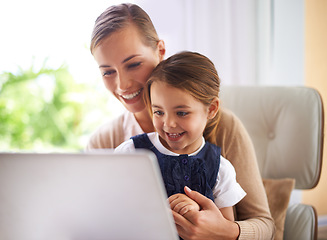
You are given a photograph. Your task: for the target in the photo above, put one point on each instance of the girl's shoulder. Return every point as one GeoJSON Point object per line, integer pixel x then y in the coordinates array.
{"type": "Point", "coordinates": [127, 146]}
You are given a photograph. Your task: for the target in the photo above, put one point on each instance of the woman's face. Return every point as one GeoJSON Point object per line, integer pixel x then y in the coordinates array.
{"type": "Point", "coordinates": [126, 63]}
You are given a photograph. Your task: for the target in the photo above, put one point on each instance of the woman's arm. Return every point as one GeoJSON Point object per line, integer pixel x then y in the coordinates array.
{"type": "Point", "coordinates": [253, 214]}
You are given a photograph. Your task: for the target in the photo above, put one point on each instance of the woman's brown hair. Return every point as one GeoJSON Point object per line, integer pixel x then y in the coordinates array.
{"type": "Point", "coordinates": [119, 16]}
{"type": "Point", "coordinates": [193, 73]}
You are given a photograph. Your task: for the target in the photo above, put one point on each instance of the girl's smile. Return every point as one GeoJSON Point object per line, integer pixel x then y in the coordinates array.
{"type": "Point", "coordinates": [178, 117]}
{"type": "Point", "coordinates": [174, 136]}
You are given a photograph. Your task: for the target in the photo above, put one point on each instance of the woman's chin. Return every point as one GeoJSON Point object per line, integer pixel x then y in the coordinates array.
{"type": "Point", "coordinates": [134, 108]}
{"type": "Point", "coordinates": [133, 105]}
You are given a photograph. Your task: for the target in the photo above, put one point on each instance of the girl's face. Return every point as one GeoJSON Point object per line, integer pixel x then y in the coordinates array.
{"type": "Point", "coordinates": [179, 118]}
{"type": "Point", "coordinates": [125, 64]}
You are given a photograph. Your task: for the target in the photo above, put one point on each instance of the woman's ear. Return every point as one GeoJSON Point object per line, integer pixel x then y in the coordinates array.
{"type": "Point", "coordinates": [161, 49]}
{"type": "Point", "coordinates": [213, 108]}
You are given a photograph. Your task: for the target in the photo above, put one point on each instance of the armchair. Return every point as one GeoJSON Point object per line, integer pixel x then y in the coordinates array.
{"type": "Point", "coordinates": [286, 125]}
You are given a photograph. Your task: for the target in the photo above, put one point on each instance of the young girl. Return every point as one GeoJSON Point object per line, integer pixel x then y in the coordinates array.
{"type": "Point", "coordinates": [182, 95]}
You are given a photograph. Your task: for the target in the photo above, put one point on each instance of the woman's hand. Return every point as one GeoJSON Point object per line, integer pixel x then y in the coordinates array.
{"type": "Point", "coordinates": [181, 203]}
{"type": "Point", "coordinates": [208, 223]}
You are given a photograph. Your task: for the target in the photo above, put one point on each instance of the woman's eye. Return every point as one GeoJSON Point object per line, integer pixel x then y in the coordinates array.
{"type": "Point", "coordinates": [134, 65]}
{"type": "Point", "coordinates": [182, 114]}
{"type": "Point", "coordinates": [159, 113]}
{"type": "Point", "coordinates": [108, 73]}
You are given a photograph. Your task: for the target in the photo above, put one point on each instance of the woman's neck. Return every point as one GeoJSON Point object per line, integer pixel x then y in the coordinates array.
{"type": "Point", "coordinates": [145, 121]}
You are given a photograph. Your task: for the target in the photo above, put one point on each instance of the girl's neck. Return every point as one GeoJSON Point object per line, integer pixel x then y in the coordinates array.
{"type": "Point", "coordinates": [145, 121]}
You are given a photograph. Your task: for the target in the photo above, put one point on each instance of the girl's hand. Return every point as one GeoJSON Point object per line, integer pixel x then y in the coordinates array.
{"type": "Point", "coordinates": [208, 223]}
{"type": "Point", "coordinates": [181, 203]}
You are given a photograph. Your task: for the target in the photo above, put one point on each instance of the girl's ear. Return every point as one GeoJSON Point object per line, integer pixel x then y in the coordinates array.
{"type": "Point", "coordinates": [161, 49]}
{"type": "Point", "coordinates": [213, 108]}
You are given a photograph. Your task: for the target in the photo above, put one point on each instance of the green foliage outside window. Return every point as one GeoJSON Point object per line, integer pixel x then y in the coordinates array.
{"type": "Point", "coordinates": [46, 110]}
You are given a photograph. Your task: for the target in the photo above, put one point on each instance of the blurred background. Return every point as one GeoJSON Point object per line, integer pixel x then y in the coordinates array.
{"type": "Point", "coordinates": [51, 92]}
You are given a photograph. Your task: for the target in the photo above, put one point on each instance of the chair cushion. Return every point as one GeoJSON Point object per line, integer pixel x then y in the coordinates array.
{"type": "Point", "coordinates": [300, 222]}
{"type": "Point", "coordinates": [286, 128]}
{"type": "Point", "coordinates": [278, 193]}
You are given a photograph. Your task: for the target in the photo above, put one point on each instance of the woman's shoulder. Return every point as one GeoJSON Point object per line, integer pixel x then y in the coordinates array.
{"type": "Point", "coordinates": [108, 135]}
{"type": "Point", "coordinates": [233, 138]}
{"type": "Point", "coordinates": [228, 117]}
{"type": "Point", "coordinates": [230, 124]}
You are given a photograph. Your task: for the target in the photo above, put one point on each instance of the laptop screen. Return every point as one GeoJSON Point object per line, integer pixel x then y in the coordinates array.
{"type": "Point", "coordinates": [98, 195]}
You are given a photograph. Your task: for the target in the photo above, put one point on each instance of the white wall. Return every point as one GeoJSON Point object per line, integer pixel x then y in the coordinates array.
{"type": "Point", "coordinates": [250, 41]}
{"type": "Point", "coordinates": [287, 43]}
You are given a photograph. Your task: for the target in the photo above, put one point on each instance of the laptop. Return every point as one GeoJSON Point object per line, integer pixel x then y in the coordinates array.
{"type": "Point", "coordinates": [83, 196]}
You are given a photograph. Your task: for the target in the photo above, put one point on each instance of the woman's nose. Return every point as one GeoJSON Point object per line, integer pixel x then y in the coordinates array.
{"type": "Point", "coordinates": [123, 81]}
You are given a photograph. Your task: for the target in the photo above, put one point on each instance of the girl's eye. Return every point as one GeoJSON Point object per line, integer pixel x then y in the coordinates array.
{"type": "Point", "coordinates": [159, 113]}
{"type": "Point", "coordinates": [108, 73]}
{"type": "Point", "coordinates": [182, 114]}
{"type": "Point", "coordinates": [134, 65]}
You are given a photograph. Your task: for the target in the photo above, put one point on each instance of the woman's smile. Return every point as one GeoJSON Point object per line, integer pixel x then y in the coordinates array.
{"type": "Point", "coordinates": [131, 95]}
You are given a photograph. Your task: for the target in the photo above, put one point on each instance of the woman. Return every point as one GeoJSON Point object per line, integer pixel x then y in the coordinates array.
{"type": "Point", "coordinates": [127, 48]}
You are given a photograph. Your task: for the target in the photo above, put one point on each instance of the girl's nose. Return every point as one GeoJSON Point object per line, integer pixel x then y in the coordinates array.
{"type": "Point", "coordinates": [170, 121]}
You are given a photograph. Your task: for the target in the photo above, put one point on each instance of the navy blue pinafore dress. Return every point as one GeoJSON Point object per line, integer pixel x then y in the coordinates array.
{"type": "Point", "coordinates": [198, 172]}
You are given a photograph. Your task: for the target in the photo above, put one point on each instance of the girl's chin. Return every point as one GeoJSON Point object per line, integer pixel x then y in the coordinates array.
{"type": "Point", "coordinates": [172, 145]}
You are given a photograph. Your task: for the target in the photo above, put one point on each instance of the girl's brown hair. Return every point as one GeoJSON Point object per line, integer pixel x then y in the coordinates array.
{"type": "Point", "coordinates": [193, 73]}
{"type": "Point", "coordinates": [117, 17]}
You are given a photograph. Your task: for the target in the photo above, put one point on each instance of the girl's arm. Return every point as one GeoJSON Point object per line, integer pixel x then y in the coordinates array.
{"type": "Point", "coordinates": [208, 223]}
{"type": "Point", "coordinates": [228, 213]}
{"type": "Point", "coordinates": [182, 204]}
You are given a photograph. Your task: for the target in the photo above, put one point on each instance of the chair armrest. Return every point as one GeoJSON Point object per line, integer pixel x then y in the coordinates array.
{"type": "Point", "coordinates": [300, 223]}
